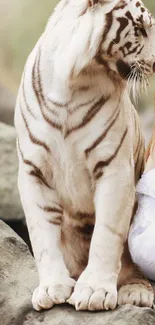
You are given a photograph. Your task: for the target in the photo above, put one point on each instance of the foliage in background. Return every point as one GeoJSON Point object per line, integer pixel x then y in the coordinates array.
{"type": "Point", "coordinates": [21, 24]}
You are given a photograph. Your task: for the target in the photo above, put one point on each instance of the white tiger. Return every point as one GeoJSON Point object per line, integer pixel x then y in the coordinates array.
{"type": "Point", "coordinates": [80, 150]}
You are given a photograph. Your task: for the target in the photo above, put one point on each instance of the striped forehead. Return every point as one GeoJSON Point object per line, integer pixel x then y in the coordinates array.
{"type": "Point", "coordinates": [139, 14]}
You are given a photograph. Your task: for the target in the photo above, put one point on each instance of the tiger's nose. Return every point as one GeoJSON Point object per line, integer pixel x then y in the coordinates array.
{"type": "Point", "coordinates": [154, 67]}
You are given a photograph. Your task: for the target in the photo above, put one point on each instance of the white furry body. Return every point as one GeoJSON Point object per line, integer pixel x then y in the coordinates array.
{"type": "Point", "coordinates": [77, 166]}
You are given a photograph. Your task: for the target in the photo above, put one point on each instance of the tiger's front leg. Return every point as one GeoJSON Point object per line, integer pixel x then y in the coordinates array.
{"type": "Point", "coordinates": [96, 288]}
{"type": "Point", "coordinates": [43, 214]}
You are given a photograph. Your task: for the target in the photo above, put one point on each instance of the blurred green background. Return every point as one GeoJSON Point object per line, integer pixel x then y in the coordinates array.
{"type": "Point", "coordinates": [21, 24]}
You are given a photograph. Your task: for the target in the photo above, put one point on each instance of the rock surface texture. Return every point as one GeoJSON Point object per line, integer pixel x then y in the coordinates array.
{"type": "Point", "coordinates": [10, 206]}
{"type": "Point", "coordinates": [19, 278]}
{"type": "Point", "coordinates": [7, 105]}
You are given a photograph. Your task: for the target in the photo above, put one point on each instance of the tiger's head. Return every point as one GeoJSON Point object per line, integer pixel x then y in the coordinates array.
{"type": "Point", "coordinates": [118, 35]}
{"type": "Point", "coordinates": [128, 43]}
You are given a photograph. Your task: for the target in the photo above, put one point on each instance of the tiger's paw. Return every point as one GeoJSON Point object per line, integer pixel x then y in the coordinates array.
{"type": "Point", "coordinates": [88, 299]}
{"type": "Point", "coordinates": [136, 294]}
{"type": "Point", "coordinates": [93, 294]}
{"type": "Point", "coordinates": [46, 296]}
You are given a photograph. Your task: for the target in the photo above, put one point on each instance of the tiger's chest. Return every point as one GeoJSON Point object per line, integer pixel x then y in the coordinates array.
{"type": "Point", "coordinates": [71, 177]}
{"type": "Point", "coordinates": [89, 134]}
{"type": "Point", "coordinates": [82, 132]}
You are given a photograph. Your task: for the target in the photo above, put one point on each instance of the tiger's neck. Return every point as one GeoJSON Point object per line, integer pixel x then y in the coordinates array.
{"type": "Point", "coordinates": [86, 98]}
{"type": "Point", "coordinates": [92, 82]}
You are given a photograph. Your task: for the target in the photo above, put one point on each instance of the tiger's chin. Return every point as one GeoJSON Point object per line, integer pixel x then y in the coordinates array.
{"type": "Point", "coordinates": [136, 76]}
{"type": "Point", "coordinates": [134, 70]}
{"type": "Point", "coordinates": [124, 69]}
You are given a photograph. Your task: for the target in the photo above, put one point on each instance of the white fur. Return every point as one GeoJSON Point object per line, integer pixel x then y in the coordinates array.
{"type": "Point", "coordinates": [69, 45]}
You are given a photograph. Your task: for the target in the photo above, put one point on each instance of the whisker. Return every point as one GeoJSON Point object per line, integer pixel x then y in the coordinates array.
{"type": "Point", "coordinates": [138, 81]}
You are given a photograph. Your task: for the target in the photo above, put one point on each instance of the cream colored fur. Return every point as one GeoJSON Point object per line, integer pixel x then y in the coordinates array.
{"type": "Point", "coordinates": [71, 77]}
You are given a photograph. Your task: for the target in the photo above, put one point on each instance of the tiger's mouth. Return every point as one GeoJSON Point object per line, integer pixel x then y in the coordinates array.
{"type": "Point", "coordinates": [136, 74]}
{"type": "Point", "coordinates": [138, 71]}
{"type": "Point", "coordinates": [124, 69]}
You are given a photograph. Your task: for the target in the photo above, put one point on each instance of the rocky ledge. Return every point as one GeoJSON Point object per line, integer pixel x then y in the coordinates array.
{"type": "Point", "coordinates": [18, 279]}
{"type": "Point", "coordinates": [10, 206]}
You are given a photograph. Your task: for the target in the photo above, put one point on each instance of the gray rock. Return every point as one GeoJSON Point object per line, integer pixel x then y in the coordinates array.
{"type": "Point", "coordinates": [19, 278]}
{"type": "Point", "coordinates": [10, 206]}
{"type": "Point", "coordinates": [64, 315]}
{"type": "Point", "coordinates": [7, 105]}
